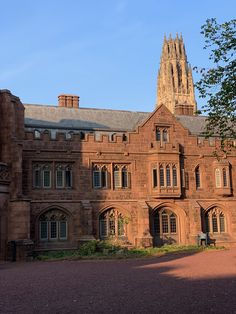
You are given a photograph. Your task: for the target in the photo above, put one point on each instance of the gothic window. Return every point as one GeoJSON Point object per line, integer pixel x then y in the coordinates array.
{"type": "Point", "coordinates": [63, 176]}
{"type": "Point", "coordinates": [121, 176]}
{"type": "Point", "coordinates": [165, 222]}
{"type": "Point", "coordinates": [53, 226]}
{"type": "Point", "coordinates": [162, 178]}
{"type": "Point", "coordinates": [37, 176]}
{"type": "Point", "coordinates": [158, 134]}
{"type": "Point", "coordinates": [215, 221]}
{"type": "Point", "coordinates": [218, 178]}
{"type": "Point", "coordinates": [225, 181]}
{"type": "Point", "coordinates": [100, 176]}
{"type": "Point", "coordinates": [174, 175]}
{"type": "Point", "coordinates": [162, 135]}
{"type": "Point", "coordinates": [168, 178]}
{"type": "Point", "coordinates": [111, 224]}
{"type": "Point", "coordinates": [43, 175]}
{"type": "Point", "coordinates": [197, 177]}
{"type": "Point", "coordinates": [37, 134]}
{"type": "Point", "coordinates": [154, 177]}
{"type": "Point", "coordinates": [124, 180]}
{"type": "Point", "coordinates": [46, 176]}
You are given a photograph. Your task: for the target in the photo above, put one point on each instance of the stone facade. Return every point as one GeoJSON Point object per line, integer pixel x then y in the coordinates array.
{"type": "Point", "coordinates": [70, 175]}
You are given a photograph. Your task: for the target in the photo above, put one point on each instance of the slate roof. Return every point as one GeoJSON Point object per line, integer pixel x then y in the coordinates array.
{"type": "Point", "coordinates": [54, 117]}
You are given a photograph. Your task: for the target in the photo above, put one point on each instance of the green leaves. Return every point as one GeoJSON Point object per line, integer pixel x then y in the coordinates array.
{"type": "Point", "coordinates": [218, 84]}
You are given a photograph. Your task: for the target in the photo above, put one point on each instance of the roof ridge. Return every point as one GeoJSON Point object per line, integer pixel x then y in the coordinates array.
{"type": "Point", "coordinates": [83, 108]}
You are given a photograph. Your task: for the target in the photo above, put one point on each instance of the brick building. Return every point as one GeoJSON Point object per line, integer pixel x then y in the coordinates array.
{"type": "Point", "coordinates": [71, 174]}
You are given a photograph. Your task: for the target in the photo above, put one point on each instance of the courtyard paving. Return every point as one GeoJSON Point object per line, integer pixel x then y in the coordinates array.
{"type": "Point", "coordinates": [198, 283]}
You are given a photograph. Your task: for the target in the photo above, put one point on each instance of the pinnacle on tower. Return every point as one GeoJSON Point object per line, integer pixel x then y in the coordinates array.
{"type": "Point", "coordinates": [175, 87]}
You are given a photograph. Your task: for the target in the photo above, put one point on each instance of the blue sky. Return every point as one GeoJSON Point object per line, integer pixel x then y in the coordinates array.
{"type": "Point", "coordinates": [105, 51]}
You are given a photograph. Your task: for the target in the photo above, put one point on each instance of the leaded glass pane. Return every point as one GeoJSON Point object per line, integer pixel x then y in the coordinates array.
{"type": "Point", "coordinates": [104, 178]}
{"type": "Point", "coordinates": [37, 178]}
{"type": "Point", "coordinates": [158, 135]}
{"type": "Point", "coordinates": [53, 229]}
{"type": "Point", "coordinates": [112, 228]}
{"type": "Point", "coordinates": [59, 178]}
{"type": "Point", "coordinates": [214, 223]}
{"type": "Point", "coordinates": [174, 173]}
{"type": "Point", "coordinates": [116, 178]}
{"type": "Point", "coordinates": [168, 181]}
{"type": "Point", "coordinates": [96, 179]}
{"type": "Point", "coordinates": [165, 227]}
{"type": "Point", "coordinates": [63, 229]}
{"type": "Point", "coordinates": [121, 230]}
{"type": "Point", "coordinates": [225, 183]}
{"type": "Point", "coordinates": [162, 180]}
{"type": "Point", "coordinates": [217, 178]}
{"type": "Point", "coordinates": [43, 230]}
{"type": "Point", "coordinates": [124, 178]}
{"type": "Point", "coordinates": [47, 178]}
{"type": "Point", "coordinates": [222, 223]}
{"type": "Point", "coordinates": [172, 223]}
{"type": "Point", "coordinates": [103, 228]}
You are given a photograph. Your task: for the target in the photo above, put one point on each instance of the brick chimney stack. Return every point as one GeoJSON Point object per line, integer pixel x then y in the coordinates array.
{"type": "Point", "coordinates": [68, 101]}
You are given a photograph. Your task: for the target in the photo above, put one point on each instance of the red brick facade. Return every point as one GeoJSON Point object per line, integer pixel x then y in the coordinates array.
{"type": "Point", "coordinates": [156, 184]}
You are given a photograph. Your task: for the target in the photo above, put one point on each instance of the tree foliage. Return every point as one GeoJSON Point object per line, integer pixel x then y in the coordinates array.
{"type": "Point", "coordinates": [218, 84]}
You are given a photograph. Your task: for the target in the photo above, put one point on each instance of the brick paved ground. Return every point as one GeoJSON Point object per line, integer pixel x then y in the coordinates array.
{"type": "Point", "coordinates": [198, 283]}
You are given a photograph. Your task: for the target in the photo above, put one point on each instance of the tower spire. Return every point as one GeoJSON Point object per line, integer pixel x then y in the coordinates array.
{"type": "Point", "coordinates": [175, 82]}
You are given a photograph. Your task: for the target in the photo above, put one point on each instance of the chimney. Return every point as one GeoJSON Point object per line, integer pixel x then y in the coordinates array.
{"type": "Point", "coordinates": [68, 101]}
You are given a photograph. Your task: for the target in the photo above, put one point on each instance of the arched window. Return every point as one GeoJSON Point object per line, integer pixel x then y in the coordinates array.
{"type": "Point", "coordinates": [218, 178]}
{"type": "Point", "coordinates": [168, 178]}
{"type": "Point", "coordinates": [37, 134]}
{"type": "Point", "coordinates": [96, 177]}
{"type": "Point", "coordinates": [174, 175]}
{"type": "Point", "coordinates": [63, 176]}
{"type": "Point", "coordinates": [53, 226]}
{"type": "Point", "coordinates": [124, 177]}
{"type": "Point", "coordinates": [104, 177]}
{"type": "Point", "coordinates": [225, 180]}
{"type": "Point", "coordinates": [197, 177]}
{"type": "Point", "coordinates": [215, 221]}
{"type": "Point", "coordinates": [46, 174]}
{"type": "Point", "coordinates": [121, 176]}
{"type": "Point", "coordinates": [117, 180]}
{"type": "Point", "coordinates": [37, 179]}
{"type": "Point", "coordinates": [111, 224]}
{"type": "Point", "coordinates": [165, 222]}
{"type": "Point", "coordinates": [162, 178]}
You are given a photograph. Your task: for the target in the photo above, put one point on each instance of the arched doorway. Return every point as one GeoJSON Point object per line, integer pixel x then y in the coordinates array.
{"type": "Point", "coordinates": [165, 227]}
{"type": "Point", "coordinates": [112, 225]}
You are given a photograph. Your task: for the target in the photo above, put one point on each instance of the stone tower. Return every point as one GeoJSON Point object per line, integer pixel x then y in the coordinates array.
{"type": "Point", "coordinates": [175, 81]}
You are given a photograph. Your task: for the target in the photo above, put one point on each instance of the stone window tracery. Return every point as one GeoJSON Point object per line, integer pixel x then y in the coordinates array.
{"type": "Point", "coordinates": [100, 176]}
{"type": "Point", "coordinates": [166, 175]}
{"type": "Point", "coordinates": [165, 222]}
{"type": "Point", "coordinates": [53, 226]}
{"type": "Point", "coordinates": [111, 224]}
{"type": "Point", "coordinates": [215, 221]}
{"type": "Point", "coordinates": [121, 176]}
{"type": "Point", "coordinates": [162, 135]}
{"type": "Point", "coordinates": [48, 175]}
